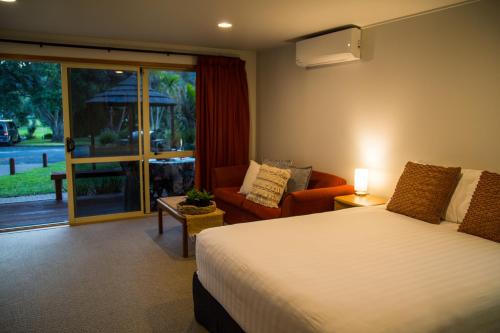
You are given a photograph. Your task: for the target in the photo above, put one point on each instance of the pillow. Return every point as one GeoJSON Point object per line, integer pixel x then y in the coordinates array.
{"type": "Point", "coordinates": [460, 200]}
{"type": "Point", "coordinates": [423, 191]}
{"type": "Point", "coordinates": [250, 176]}
{"type": "Point", "coordinates": [299, 179]}
{"type": "Point", "coordinates": [483, 217]}
{"type": "Point", "coordinates": [269, 186]}
{"type": "Point", "coordinates": [283, 164]}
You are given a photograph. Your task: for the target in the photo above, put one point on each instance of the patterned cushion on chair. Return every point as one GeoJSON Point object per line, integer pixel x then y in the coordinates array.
{"type": "Point", "coordinates": [269, 186]}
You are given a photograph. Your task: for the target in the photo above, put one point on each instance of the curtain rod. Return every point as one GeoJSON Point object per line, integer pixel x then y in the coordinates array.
{"type": "Point", "coordinates": [93, 47]}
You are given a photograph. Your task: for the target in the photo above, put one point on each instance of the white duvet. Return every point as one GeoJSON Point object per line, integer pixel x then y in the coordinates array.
{"type": "Point", "coordinates": [354, 270]}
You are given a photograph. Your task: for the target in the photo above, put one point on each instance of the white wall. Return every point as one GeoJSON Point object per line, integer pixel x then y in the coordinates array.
{"type": "Point", "coordinates": [427, 89]}
{"type": "Point", "coordinates": [248, 56]}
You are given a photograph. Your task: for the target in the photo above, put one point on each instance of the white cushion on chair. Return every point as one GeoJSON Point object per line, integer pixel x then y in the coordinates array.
{"type": "Point", "coordinates": [251, 175]}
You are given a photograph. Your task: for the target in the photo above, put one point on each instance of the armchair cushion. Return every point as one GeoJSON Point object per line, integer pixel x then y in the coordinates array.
{"type": "Point", "coordinates": [250, 177]}
{"type": "Point", "coordinates": [229, 195]}
{"type": "Point", "coordinates": [262, 212]}
{"type": "Point", "coordinates": [299, 179]}
{"type": "Point", "coordinates": [269, 186]}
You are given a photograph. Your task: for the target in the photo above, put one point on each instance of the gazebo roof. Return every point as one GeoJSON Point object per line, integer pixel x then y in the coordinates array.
{"type": "Point", "coordinates": [125, 92]}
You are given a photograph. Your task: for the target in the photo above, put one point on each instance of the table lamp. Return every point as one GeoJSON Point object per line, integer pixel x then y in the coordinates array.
{"type": "Point", "coordinates": [361, 181]}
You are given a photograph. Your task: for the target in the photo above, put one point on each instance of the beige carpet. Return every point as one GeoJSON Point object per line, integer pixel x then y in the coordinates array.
{"type": "Point", "coordinates": [108, 277]}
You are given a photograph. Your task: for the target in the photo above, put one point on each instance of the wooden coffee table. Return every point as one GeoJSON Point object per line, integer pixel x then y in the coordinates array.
{"type": "Point", "coordinates": [169, 205]}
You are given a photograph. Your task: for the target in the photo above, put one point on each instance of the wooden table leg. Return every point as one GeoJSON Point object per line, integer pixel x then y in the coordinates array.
{"type": "Point", "coordinates": [58, 185]}
{"type": "Point", "coordinates": [160, 221]}
{"type": "Point", "coordinates": [184, 240]}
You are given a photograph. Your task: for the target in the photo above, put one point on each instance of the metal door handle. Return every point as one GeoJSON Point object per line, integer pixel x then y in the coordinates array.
{"type": "Point", "coordinates": [70, 145]}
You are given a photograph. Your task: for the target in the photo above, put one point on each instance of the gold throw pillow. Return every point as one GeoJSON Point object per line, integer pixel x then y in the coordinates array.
{"type": "Point", "coordinates": [483, 216]}
{"type": "Point", "coordinates": [424, 191]}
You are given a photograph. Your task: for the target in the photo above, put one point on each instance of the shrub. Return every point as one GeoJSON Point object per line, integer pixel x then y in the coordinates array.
{"type": "Point", "coordinates": [47, 136]}
{"type": "Point", "coordinates": [108, 136]}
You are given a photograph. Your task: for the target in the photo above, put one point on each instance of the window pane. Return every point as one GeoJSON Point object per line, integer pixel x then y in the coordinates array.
{"type": "Point", "coordinates": [103, 106]}
{"type": "Point", "coordinates": [173, 176]}
{"type": "Point", "coordinates": [172, 110]}
{"type": "Point", "coordinates": [106, 188]}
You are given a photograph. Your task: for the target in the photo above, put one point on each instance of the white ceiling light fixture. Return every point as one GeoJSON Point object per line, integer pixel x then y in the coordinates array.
{"type": "Point", "coordinates": [224, 25]}
{"type": "Point", "coordinates": [8, 0]}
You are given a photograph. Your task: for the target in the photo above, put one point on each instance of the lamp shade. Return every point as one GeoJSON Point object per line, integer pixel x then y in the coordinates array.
{"type": "Point", "coordinates": [361, 181]}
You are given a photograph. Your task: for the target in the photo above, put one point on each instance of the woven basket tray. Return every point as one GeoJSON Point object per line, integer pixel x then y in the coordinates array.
{"type": "Point", "coordinates": [195, 210]}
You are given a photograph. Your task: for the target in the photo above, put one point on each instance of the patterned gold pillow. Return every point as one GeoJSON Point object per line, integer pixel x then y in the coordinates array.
{"type": "Point", "coordinates": [269, 186]}
{"type": "Point", "coordinates": [424, 191]}
{"type": "Point", "coordinates": [483, 216]}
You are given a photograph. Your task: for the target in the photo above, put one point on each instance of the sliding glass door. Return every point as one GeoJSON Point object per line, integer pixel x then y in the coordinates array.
{"type": "Point", "coordinates": [129, 138]}
{"type": "Point", "coordinates": [103, 142]}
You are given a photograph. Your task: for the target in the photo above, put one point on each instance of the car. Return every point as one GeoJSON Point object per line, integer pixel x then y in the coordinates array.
{"type": "Point", "coordinates": [9, 134]}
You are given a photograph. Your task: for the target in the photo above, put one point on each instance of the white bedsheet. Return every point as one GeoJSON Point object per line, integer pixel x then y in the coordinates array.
{"type": "Point", "coordinates": [354, 270]}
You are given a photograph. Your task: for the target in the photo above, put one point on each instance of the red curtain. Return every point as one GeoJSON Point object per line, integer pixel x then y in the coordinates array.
{"type": "Point", "coordinates": [222, 116]}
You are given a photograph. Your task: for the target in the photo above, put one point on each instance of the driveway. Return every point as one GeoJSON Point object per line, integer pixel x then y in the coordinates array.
{"type": "Point", "coordinates": [28, 157]}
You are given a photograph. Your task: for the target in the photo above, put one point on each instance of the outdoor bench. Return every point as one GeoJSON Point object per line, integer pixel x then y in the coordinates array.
{"type": "Point", "coordinates": [58, 177]}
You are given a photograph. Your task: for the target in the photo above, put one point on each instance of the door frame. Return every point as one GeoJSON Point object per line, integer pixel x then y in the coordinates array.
{"type": "Point", "coordinates": [148, 153]}
{"type": "Point", "coordinates": [70, 161]}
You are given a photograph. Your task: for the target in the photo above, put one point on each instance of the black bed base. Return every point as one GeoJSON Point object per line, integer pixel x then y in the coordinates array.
{"type": "Point", "coordinates": [209, 313]}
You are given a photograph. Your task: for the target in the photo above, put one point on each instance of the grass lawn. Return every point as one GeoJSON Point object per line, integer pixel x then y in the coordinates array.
{"type": "Point", "coordinates": [37, 139]}
{"type": "Point", "coordinates": [39, 142]}
{"type": "Point", "coordinates": [31, 182]}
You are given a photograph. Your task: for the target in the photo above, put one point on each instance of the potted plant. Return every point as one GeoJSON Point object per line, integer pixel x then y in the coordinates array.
{"type": "Point", "coordinates": [197, 202]}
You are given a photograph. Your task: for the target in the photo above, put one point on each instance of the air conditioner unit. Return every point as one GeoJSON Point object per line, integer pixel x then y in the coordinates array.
{"type": "Point", "coordinates": [335, 47]}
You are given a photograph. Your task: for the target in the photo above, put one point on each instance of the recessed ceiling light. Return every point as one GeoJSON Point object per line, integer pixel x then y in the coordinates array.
{"type": "Point", "coordinates": [8, 0]}
{"type": "Point", "coordinates": [224, 25]}
{"type": "Point", "coordinates": [119, 72]}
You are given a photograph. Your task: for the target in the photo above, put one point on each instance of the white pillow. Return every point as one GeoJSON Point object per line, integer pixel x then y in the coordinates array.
{"type": "Point", "coordinates": [251, 175]}
{"type": "Point", "coordinates": [461, 198]}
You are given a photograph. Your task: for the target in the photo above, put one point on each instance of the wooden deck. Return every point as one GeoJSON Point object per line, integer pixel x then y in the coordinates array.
{"type": "Point", "coordinates": [22, 214]}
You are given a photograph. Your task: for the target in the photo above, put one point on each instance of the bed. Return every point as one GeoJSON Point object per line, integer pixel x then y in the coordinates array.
{"type": "Point", "coordinates": [353, 270]}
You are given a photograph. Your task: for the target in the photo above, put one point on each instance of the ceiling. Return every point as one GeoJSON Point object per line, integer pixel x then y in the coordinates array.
{"type": "Point", "coordinates": [257, 24]}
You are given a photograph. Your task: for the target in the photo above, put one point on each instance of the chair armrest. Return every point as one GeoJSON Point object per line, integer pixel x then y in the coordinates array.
{"type": "Point", "coordinates": [230, 176]}
{"type": "Point", "coordinates": [313, 201]}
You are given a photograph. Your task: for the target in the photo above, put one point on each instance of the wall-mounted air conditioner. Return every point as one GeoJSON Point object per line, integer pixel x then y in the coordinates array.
{"type": "Point", "coordinates": [335, 47]}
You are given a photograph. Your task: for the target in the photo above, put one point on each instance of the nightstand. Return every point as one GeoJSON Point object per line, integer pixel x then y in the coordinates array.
{"type": "Point", "coordinates": [353, 200]}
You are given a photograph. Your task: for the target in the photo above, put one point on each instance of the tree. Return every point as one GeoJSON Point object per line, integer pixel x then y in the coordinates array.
{"type": "Point", "coordinates": [32, 88]}
{"type": "Point", "coordinates": [13, 98]}
{"type": "Point", "coordinates": [179, 86]}
{"type": "Point", "coordinates": [44, 88]}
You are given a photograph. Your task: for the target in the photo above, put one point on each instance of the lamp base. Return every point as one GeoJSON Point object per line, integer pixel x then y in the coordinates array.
{"type": "Point", "coordinates": [360, 194]}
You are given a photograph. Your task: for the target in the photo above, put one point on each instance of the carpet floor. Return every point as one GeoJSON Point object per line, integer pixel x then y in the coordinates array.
{"type": "Point", "coordinates": [109, 277]}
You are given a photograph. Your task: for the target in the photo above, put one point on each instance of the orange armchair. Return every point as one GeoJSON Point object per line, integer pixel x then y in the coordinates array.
{"type": "Point", "coordinates": [319, 197]}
